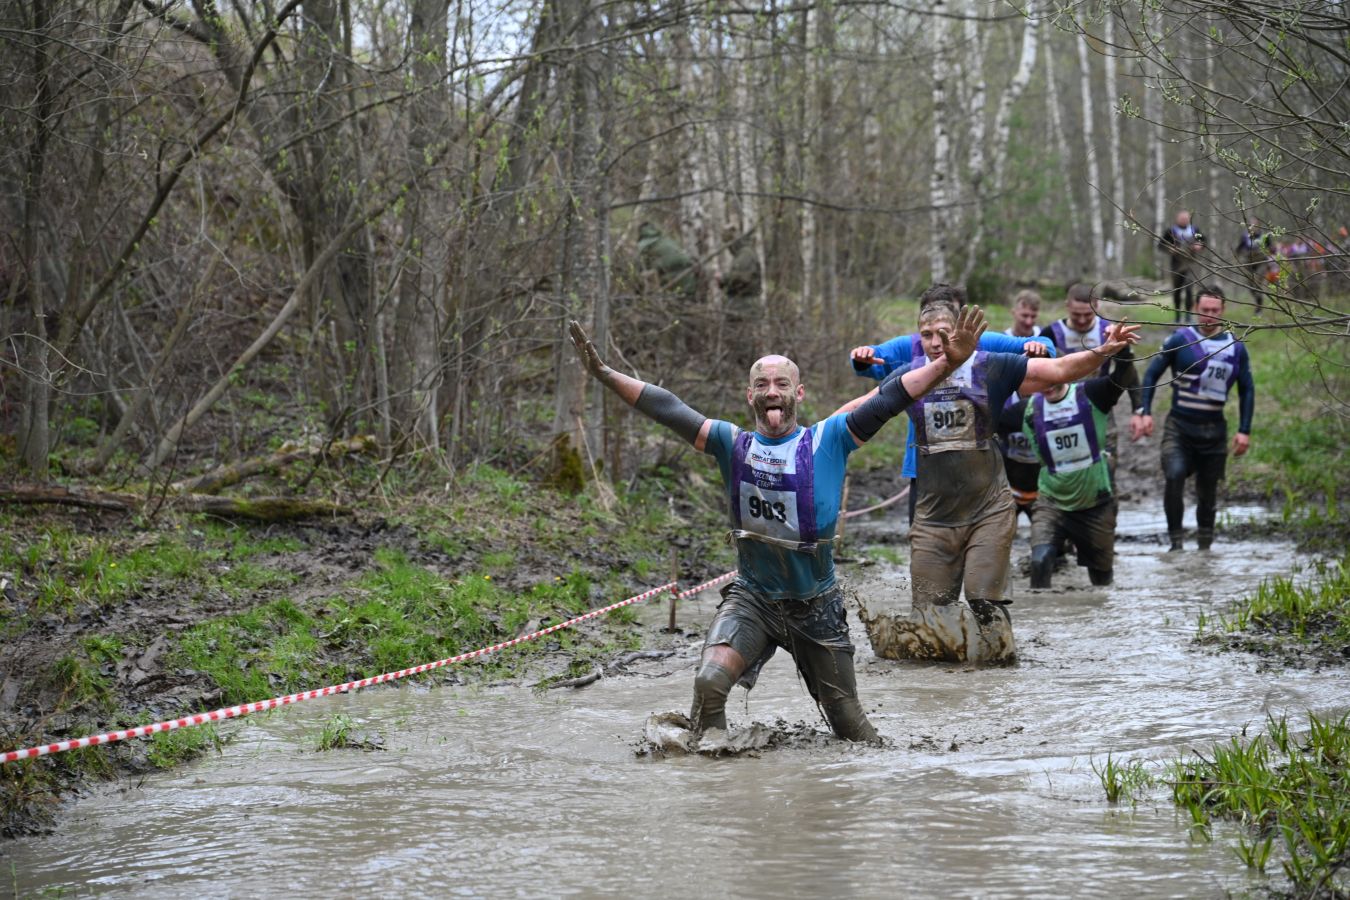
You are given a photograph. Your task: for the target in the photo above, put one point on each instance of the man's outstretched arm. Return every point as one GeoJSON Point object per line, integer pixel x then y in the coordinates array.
{"type": "Point", "coordinates": [656, 403]}
{"type": "Point", "coordinates": [1043, 374]}
{"type": "Point", "coordinates": [867, 414]}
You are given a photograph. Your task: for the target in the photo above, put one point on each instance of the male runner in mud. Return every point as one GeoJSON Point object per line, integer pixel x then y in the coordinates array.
{"type": "Point", "coordinates": [1082, 329]}
{"type": "Point", "coordinates": [965, 522]}
{"type": "Point", "coordinates": [1207, 362]}
{"type": "Point", "coordinates": [1067, 426]}
{"type": "Point", "coordinates": [784, 483]}
{"type": "Point", "coordinates": [899, 352]}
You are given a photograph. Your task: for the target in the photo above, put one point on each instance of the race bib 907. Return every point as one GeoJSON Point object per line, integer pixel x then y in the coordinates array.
{"type": "Point", "coordinates": [1069, 448]}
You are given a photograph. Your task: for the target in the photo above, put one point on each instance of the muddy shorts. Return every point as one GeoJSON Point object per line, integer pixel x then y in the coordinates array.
{"type": "Point", "coordinates": [814, 631]}
{"type": "Point", "coordinates": [1189, 447]}
{"type": "Point", "coordinates": [943, 558]}
{"type": "Point", "coordinates": [1091, 531]}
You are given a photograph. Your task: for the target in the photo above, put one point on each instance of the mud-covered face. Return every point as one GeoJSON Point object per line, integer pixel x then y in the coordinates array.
{"type": "Point", "coordinates": [930, 330]}
{"type": "Point", "coordinates": [1081, 316]}
{"type": "Point", "coordinates": [1024, 320]}
{"type": "Point", "coordinates": [774, 392]}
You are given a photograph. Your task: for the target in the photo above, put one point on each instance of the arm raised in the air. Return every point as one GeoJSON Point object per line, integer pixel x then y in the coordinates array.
{"type": "Point", "coordinates": [657, 403]}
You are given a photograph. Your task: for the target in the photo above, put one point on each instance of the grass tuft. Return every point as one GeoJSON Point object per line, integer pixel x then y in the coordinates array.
{"type": "Point", "coordinates": [1291, 792]}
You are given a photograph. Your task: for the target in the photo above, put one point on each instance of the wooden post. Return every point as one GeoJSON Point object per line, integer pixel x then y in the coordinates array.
{"type": "Point", "coordinates": [674, 587]}
{"type": "Point", "coordinates": [843, 510]}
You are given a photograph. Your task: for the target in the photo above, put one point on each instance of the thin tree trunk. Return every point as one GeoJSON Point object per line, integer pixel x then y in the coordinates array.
{"type": "Point", "coordinates": [34, 438]}
{"type": "Point", "coordinates": [1116, 253]}
{"type": "Point", "coordinates": [993, 185]}
{"type": "Point", "coordinates": [1094, 179]}
{"type": "Point", "coordinates": [1061, 141]}
{"type": "Point", "coordinates": [1157, 135]}
{"type": "Point", "coordinates": [938, 182]}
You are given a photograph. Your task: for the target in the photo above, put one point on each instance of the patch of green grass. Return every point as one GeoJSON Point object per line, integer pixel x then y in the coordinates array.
{"type": "Point", "coordinates": [169, 748]}
{"type": "Point", "coordinates": [1291, 792]}
{"type": "Point", "coordinates": [241, 543]}
{"type": "Point", "coordinates": [1312, 610]}
{"type": "Point", "coordinates": [65, 570]}
{"type": "Point", "coordinates": [334, 733]}
{"type": "Point", "coordinates": [891, 555]}
{"type": "Point", "coordinates": [1123, 780]}
{"type": "Point", "coordinates": [80, 683]}
{"type": "Point", "coordinates": [253, 655]}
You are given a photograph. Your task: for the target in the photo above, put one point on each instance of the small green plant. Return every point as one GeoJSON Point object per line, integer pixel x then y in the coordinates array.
{"type": "Point", "coordinates": [1122, 780]}
{"type": "Point", "coordinates": [169, 748]}
{"type": "Point", "coordinates": [335, 733]}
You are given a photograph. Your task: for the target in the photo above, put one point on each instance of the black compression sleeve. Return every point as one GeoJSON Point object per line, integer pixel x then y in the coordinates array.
{"type": "Point", "coordinates": [890, 400]}
{"type": "Point", "coordinates": [664, 407]}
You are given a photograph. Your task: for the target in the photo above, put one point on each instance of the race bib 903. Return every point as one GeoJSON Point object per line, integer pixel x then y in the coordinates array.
{"type": "Point", "coordinates": [770, 513]}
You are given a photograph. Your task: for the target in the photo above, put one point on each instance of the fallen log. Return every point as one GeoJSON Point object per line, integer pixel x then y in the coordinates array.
{"type": "Point", "coordinates": [233, 473]}
{"type": "Point", "coordinates": [258, 509]}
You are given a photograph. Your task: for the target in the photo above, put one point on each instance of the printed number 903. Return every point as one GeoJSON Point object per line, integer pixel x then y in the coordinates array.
{"type": "Point", "coordinates": [763, 509]}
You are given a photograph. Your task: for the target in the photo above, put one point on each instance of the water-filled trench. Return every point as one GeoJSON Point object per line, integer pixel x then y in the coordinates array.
{"type": "Point", "coordinates": [985, 788]}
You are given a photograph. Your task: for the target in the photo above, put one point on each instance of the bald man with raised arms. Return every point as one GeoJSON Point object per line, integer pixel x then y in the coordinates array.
{"type": "Point", "coordinates": [783, 484]}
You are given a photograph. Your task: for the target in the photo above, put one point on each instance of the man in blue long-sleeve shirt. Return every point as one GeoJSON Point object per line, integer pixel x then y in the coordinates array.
{"type": "Point", "coordinates": [1206, 361]}
{"type": "Point", "coordinates": [899, 352]}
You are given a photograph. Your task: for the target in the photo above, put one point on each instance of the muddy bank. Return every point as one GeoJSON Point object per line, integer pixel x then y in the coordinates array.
{"type": "Point", "coordinates": [100, 617]}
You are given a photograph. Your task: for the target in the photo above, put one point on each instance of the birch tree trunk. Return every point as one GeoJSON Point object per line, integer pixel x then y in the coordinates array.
{"type": "Point", "coordinates": [992, 184]}
{"type": "Point", "coordinates": [1155, 112]}
{"type": "Point", "coordinates": [939, 182]}
{"type": "Point", "coordinates": [1116, 253]}
{"type": "Point", "coordinates": [1094, 196]}
{"type": "Point", "coordinates": [1056, 115]}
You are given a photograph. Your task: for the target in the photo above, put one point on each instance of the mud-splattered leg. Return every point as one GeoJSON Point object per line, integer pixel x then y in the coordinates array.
{"type": "Point", "coordinates": [988, 554]}
{"type": "Point", "coordinates": [938, 626]}
{"type": "Point", "coordinates": [820, 645]}
{"type": "Point", "coordinates": [737, 635]}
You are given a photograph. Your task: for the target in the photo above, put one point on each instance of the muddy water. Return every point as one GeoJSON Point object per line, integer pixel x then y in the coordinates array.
{"type": "Point", "coordinates": [986, 788]}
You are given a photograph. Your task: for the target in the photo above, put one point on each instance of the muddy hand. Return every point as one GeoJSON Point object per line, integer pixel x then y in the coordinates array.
{"type": "Point", "coordinates": [960, 344]}
{"type": "Point", "coordinates": [586, 350]}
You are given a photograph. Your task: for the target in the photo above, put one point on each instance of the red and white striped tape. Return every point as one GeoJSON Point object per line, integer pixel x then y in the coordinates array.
{"type": "Point", "coordinates": [234, 712]}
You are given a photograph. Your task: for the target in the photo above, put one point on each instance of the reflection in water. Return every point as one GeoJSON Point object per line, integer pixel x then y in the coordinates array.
{"type": "Point", "coordinates": [985, 788]}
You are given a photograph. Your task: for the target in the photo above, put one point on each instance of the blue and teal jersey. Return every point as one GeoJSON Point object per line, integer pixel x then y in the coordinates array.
{"type": "Point", "coordinates": [785, 489]}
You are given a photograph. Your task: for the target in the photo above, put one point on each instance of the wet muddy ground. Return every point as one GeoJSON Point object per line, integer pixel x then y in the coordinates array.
{"type": "Point", "coordinates": [984, 787]}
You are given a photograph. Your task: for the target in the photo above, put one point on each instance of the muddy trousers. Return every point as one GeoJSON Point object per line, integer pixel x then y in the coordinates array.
{"type": "Point", "coordinates": [939, 626]}
{"type": "Point", "coordinates": [1199, 449]}
{"type": "Point", "coordinates": [814, 631]}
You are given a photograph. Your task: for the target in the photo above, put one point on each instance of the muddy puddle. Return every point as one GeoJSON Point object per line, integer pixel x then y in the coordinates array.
{"type": "Point", "coordinates": [985, 787]}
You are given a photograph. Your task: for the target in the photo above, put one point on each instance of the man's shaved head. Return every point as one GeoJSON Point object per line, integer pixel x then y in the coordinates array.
{"type": "Point", "coordinates": [773, 361]}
